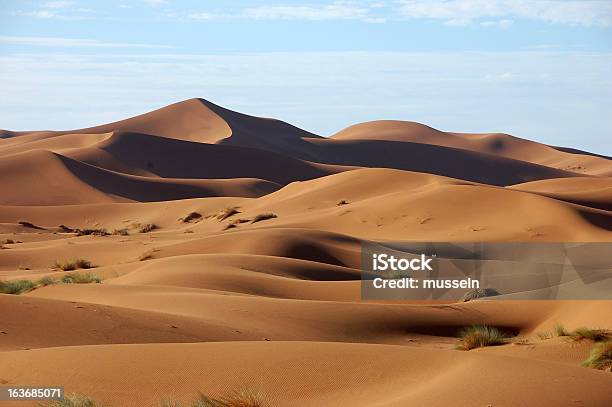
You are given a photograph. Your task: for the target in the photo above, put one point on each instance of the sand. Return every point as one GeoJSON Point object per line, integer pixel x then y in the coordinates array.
{"type": "Point", "coordinates": [211, 305]}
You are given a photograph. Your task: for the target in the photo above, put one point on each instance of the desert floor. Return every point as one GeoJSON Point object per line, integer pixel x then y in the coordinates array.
{"type": "Point", "coordinates": [215, 302]}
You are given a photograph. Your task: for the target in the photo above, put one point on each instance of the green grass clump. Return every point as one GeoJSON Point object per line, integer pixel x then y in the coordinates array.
{"type": "Point", "coordinates": [600, 357]}
{"type": "Point", "coordinates": [559, 330]}
{"type": "Point", "coordinates": [73, 400]}
{"type": "Point", "coordinates": [238, 398]}
{"type": "Point", "coordinates": [596, 335]}
{"type": "Point", "coordinates": [69, 265]}
{"type": "Point", "coordinates": [16, 286]}
{"type": "Point", "coordinates": [478, 336]}
{"type": "Point", "coordinates": [81, 278]}
{"type": "Point", "coordinates": [476, 293]}
{"type": "Point", "coordinates": [45, 281]}
{"type": "Point", "coordinates": [263, 216]}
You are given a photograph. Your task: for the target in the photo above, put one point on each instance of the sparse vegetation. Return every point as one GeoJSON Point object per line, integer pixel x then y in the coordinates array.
{"type": "Point", "coordinates": [81, 278]}
{"type": "Point", "coordinates": [478, 336]}
{"type": "Point", "coordinates": [69, 265]}
{"type": "Point", "coordinates": [238, 398]}
{"type": "Point", "coordinates": [146, 228]}
{"type": "Point", "coordinates": [193, 216]}
{"type": "Point", "coordinates": [559, 330]}
{"type": "Point", "coordinates": [227, 212]}
{"type": "Point", "coordinates": [263, 216]}
{"type": "Point", "coordinates": [596, 335]}
{"type": "Point", "coordinates": [45, 281]}
{"type": "Point", "coordinates": [342, 202]}
{"type": "Point", "coordinates": [544, 335]}
{"type": "Point", "coordinates": [121, 232]}
{"type": "Point", "coordinates": [16, 286]}
{"type": "Point", "coordinates": [28, 224]}
{"type": "Point", "coordinates": [476, 293]}
{"type": "Point", "coordinates": [73, 400]}
{"type": "Point", "coordinates": [600, 357]}
{"type": "Point", "coordinates": [92, 232]}
{"type": "Point", "coordinates": [148, 255]}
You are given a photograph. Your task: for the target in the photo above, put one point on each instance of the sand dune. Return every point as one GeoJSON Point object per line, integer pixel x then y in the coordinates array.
{"type": "Point", "coordinates": [69, 182]}
{"type": "Point", "coordinates": [288, 373]}
{"type": "Point", "coordinates": [251, 274]}
{"type": "Point", "coordinates": [593, 192]}
{"type": "Point", "coordinates": [499, 144]}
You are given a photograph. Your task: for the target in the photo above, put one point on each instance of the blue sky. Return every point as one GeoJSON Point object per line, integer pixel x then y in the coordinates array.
{"type": "Point", "coordinates": [536, 69]}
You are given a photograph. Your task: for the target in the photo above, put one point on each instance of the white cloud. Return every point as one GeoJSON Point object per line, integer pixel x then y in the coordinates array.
{"type": "Point", "coordinates": [497, 23]}
{"type": "Point", "coordinates": [37, 14]}
{"type": "Point", "coordinates": [582, 12]}
{"type": "Point", "coordinates": [71, 42]}
{"type": "Point", "coordinates": [334, 11]}
{"type": "Point", "coordinates": [58, 4]}
{"type": "Point", "coordinates": [338, 10]}
{"type": "Point", "coordinates": [155, 3]}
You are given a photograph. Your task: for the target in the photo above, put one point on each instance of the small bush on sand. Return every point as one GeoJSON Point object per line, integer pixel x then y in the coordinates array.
{"type": "Point", "coordinates": [147, 228]}
{"type": "Point", "coordinates": [121, 232]}
{"type": "Point", "coordinates": [596, 335]}
{"type": "Point", "coordinates": [263, 216]}
{"type": "Point", "coordinates": [28, 225]}
{"type": "Point", "coordinates": [477, 293]}
{"type": "Point", "coordinates": [559, 330]}
{"type": "Point", "coordinates": [239, 398]}
{"type": "Point", "coordinates": [478, 336]}
{"type": "Point", "coordinates": [73, 400]}
{"type": "Point", "coordinates": [45, 281]}
{"type": "Point", "coordinates": [193, 216]}
{"type": "Point", "coordinates": [600, 357]}
{"type": "Point", "coordinates": [78, 278]}
{"type": "Point", "coordinates": [227, 212]}
{"type": "Point", "coordinates": [69, 265]}
{"type": "Point", "coordinates": [91, 232]}
{"type": "Point", "coordinates": [544, 335]}
{"type": "Point", "coordinates": [16, 286]}
{"type": "Point", "coordinates": [342, 202]}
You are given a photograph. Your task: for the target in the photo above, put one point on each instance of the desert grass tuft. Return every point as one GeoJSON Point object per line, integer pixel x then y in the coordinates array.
{"type": "Point", "coordinates": [73, 400]}
{"type": "Point", "coordinates": [16, 286]}
{"type": "Point", "coordinates": [147, 228]}
{"type": "Point", "coordinates": [121, 232]}
{"type": "Point", "coordinates": [342, 202]}
{"type": "Point", "coordinates": [600, 357]}
{"type": "Point", "coordinates": [69, 265]}
{"type": "Point", "coordinates": [227, 212]}
{"type": "Point", "coordinates": [477, 293]}
{"type": "Point", "coordinates": [263, 216]}
{"type": "Point", "coordinates": [544, 335]}
{"type": "Point", "coordinates": [237, 398]}
{"type": "Point", "coordinates": [478, 336]}
{"type": "Point", "coordinates": [596, 335]}
{"type": "Point", "coordinates": [45, 281]}
{"type": "Point", "coordinates": [193, 216]}
{"type": "Point", "coordinates": [91, 232]}
{"type": "Point", "coordinates": [81, 278]}
{"type": "Point", "coordinates": [559, 330]}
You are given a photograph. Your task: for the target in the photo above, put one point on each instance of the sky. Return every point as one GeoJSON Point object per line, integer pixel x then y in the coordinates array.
{"type": "Point", "coordinates": [538, 69]}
